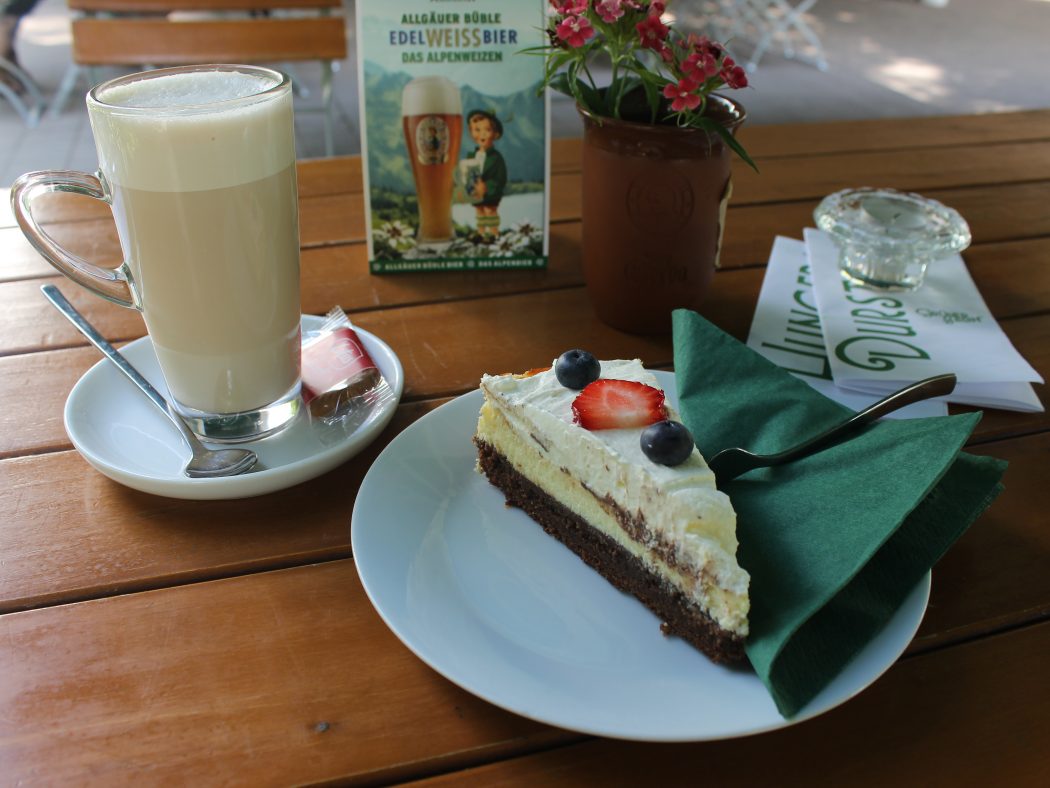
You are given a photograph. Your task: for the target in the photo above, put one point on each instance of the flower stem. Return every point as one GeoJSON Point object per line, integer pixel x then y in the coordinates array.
{"type": "Point", "coordinates": [616, 51]}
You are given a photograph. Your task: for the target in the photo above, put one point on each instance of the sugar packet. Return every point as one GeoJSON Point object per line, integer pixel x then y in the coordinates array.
{"type": "Point", "coordinates": [342, 384]}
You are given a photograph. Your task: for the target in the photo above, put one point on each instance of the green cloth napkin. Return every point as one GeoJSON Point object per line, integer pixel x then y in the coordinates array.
{"type": "Point", "coordinates": [835, 542]}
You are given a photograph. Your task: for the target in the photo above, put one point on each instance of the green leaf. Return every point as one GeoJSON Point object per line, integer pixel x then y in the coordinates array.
{"type": "Point", "coordinates": [727, 137]}
{"type": "Point", "coordinates": [611, 103]}
{"type": "Point", "coordinates": [592, 99]}
{"type": "Point", "coordinates": [570, 84]}
{"type": "Point", "coordinates": [652, 96]}
{"type": "Point", "coordinates": [560, 83]}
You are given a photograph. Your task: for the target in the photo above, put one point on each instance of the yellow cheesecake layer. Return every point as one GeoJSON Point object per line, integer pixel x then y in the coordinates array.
{"type": "Point", "coordinates": [672, 519]}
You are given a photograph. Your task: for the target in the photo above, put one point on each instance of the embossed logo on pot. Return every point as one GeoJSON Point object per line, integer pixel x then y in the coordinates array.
{"type": "Point", "coordinates": [654, 274]}
{"type": "Point", "coordinates": [660, 203]}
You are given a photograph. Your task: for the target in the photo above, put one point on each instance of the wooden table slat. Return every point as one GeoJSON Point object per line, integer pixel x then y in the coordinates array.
{"type": "Point", "coordinates": [788, 179]}
{"type": "Point", "coordinates": [995, 213]}
{"type": "Point", "coordinates": [273, 678]}
{"type": "Point", "coordinates": [331, 175]}
{"type": "Point", "coordinates": [130, 541]}
{"type": "Point", "coordinates": [339, 274]}
{"type": "Point", "coordinates": [464, 339]}
{"type": "Point", "coordinates": [973, 716]}
{"type": "Point", "coordinates": [847, 136]}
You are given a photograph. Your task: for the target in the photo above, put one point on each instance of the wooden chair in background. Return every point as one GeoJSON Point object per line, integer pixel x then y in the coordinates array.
{"type": "Point", "coordinates": [19, 90]}
{"type": "Point", "coordinates": [153, 33]}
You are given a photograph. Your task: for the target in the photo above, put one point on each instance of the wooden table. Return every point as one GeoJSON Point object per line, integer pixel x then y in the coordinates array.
{"type": "Point", "coordinates": [146, 640]}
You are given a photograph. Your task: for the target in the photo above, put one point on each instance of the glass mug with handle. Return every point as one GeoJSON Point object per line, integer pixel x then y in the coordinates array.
{"type": "Point", "coordinates": [198, 166]}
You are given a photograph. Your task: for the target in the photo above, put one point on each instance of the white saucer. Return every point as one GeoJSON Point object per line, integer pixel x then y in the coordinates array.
{"type": "Point", "coordinates": [481, 594]}
{"type": "Point", "coordinates": [124, 436]}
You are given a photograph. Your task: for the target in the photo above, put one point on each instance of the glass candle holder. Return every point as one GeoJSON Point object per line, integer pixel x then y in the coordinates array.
{"type": "Point", "coordinates": [887, 238]}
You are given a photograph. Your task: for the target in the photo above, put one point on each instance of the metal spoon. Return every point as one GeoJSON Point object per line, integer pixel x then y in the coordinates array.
{"type": "Point", "coordinates": [730, 463]}
{"type": "Point", "coordinates": [205, 463]}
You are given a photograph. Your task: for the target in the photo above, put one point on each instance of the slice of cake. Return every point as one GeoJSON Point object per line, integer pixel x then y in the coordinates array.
{"type": "Point", "coordinates": [565, 445]}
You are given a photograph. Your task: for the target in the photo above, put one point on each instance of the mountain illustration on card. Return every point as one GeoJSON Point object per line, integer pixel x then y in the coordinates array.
{"type": "Point", "coordinates": [522, 144]}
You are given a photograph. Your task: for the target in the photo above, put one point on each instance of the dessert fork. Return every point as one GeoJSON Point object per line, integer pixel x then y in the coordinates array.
{"type": "Point", "coordinates": [730, 463]}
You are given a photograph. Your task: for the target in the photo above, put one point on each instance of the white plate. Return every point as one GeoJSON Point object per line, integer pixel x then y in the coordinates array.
{"type": "Point", "coordinates": [481, 594]}
{"type": "Point", "coordinates": [125, 436]}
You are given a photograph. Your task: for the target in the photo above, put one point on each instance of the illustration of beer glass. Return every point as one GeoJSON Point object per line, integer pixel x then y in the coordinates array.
{"type": "Point", "coordinates": [432, 120]}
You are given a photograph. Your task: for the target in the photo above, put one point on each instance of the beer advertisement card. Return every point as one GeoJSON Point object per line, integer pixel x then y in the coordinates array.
{"type": "Point", "coordinates": [454, 134]}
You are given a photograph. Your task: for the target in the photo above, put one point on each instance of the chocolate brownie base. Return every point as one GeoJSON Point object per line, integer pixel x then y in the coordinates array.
{"type": "Point", "coordinates": [611, 561]}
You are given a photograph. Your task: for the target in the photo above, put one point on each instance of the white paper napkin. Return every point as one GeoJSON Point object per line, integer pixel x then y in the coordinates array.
{"type": "Point", "coordinates": [878, 341]}
{"type": "Point", "coordinates": [786, 330]}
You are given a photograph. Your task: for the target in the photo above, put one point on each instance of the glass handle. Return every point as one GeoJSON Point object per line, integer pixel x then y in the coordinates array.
{"type": "Point", "coordinates": [112, 284]}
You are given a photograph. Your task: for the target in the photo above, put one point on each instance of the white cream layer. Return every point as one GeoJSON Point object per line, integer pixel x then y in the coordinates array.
{"type": "Point", "coordinates": [679, 505]}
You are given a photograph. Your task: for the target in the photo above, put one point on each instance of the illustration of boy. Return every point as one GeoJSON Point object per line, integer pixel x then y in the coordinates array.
{"type": "Point", "coordinates": [485, 128]}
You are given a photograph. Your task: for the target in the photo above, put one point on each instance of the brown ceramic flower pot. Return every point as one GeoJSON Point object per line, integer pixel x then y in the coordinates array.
{"type": "Point", "coordinates": [654, 201]}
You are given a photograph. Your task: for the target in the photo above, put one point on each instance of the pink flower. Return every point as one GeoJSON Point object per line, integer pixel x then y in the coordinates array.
{"type": "Point", "coordinates": [609, 10]}
{"type": "Point", "coordinates": [683, 94]}
{"type": "Point", "coordinates": [575, 30]}
{"type": "Point", "coordinates": [700, 66]}
{"type": "Point", "coordinates": [703, 45]}
{"type": "Point", "coordinates": [652, 32]}
{"type": "Point", "coordinates": [734, 75]}
{"type": "Point", "coordinates": [569, 7]}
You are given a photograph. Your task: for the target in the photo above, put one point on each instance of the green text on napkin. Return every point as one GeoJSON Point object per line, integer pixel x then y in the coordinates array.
{"type": "Point", "coordinates": [834, 542]}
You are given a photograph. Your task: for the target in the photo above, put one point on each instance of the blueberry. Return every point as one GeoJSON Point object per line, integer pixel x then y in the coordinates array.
{"type": "Point", "coordinates": [667, 442]}
{"type": "Point", "coordinates": [576, 368]}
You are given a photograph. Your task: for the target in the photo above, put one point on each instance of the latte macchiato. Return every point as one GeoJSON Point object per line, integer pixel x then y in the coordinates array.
{"type": "Point", "coordinates": [205, 202]}
{"type": "Point", "coordinates": [199, 166]}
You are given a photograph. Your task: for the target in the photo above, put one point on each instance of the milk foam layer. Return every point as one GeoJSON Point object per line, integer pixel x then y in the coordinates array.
{"type": "Point", "coordinates": [431, 96]}
{"type": "Point", "coordinates": [177, 91]}
{"type": "Point", "coordinates": [194, 137]}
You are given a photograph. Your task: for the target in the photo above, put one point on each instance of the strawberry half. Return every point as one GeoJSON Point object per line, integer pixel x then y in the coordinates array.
{"type": "Point", "coordinates": [618, 404]}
